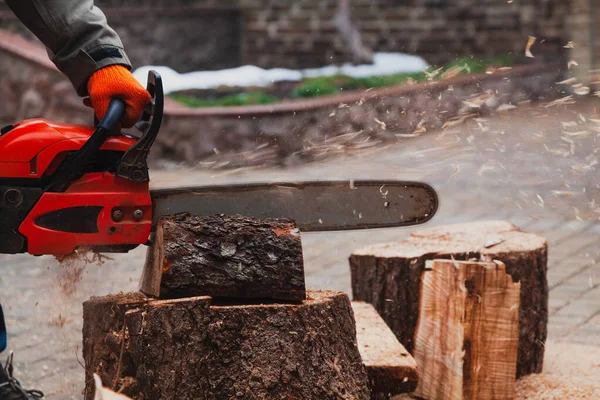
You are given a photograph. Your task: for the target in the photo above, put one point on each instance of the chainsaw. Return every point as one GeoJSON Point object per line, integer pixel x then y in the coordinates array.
{"type": "Point", "coordinates": [66, 186]}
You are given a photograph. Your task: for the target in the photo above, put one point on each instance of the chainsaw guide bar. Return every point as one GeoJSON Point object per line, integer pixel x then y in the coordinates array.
{"type": "Point", "coordinates": [314, 206]}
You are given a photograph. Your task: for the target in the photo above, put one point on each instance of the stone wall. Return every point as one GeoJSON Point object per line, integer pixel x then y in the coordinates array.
{"type": "Point", "coordinates": [211, 34]}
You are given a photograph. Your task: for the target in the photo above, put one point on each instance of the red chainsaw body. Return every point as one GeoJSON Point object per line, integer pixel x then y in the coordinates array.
{"type": "Point", "coordinates": [28, 150]}
{"type": "Point", "coordinates": [67, 186]}
{"type": "Point", "coordinates": [99, 194]}
{"type": "Point", "coordinates": [82, 215]}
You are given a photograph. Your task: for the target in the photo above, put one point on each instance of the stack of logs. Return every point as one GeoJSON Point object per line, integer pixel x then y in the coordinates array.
{"type": "Point", "coordinates": [469, 301]}
{"type": "Point", "coordinates": [223, 313]}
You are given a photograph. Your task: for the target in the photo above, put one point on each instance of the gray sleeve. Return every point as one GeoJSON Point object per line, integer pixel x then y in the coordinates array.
{"type": "Point", "coordinates": [76, 34]}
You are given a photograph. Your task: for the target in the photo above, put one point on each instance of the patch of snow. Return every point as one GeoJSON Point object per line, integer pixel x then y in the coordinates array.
{"type": "Point", "coordinates": [250, 75]}
{"type": "Point", "coordinates": [383, 64]}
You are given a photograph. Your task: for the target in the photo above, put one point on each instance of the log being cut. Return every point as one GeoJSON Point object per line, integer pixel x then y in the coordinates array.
{"type": "Point", "coordinates": [224, 257]}
{"type": "Point", "coordinates": [189, 349]}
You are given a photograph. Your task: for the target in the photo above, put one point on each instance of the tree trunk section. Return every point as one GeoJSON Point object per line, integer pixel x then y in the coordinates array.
{"type": "Point", "coordinates": [193, 349]}
{"type": "Point", "coordinates": [467, 337]}
{"type": "Point", "coordinates": [389, 277]}
{"type": "Point", "coordinates": [225, 257]}
{"type": "Point", "coordinates": [391, 369]}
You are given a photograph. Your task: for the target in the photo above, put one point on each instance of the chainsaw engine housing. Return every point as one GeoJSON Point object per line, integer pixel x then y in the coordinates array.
{"type": "Point", "coordinates": [65, 186]}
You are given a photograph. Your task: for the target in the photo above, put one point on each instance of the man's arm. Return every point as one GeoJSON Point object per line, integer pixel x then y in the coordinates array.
{"type": "Point", "coordinates": [77, 36]}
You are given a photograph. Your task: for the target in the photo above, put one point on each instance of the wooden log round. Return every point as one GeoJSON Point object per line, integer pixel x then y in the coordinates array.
{"type": "Point", "coordinates": [225, 256]}
{"type": "Point", "coordinates": [193, 349]}
{"type": "Point", "coordinates": [389, 277]}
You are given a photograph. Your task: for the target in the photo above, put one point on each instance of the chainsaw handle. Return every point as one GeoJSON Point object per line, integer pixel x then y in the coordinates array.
{"type": "Point", "coordinates": [133, 166]}
{"type": "Point", "coordinates": [114, 114]}
{"type": "Point", "coordinates": [74, 166]}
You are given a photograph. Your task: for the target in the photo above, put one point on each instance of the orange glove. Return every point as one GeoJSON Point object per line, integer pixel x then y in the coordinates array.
{"type": "Point", "coordinates": [115, 81]}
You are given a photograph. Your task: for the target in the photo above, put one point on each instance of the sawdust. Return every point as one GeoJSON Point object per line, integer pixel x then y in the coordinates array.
{"type": "Point", "coordinates": [548, 387]}
{"type": "Point", "coordinates": [530, 43]}
{"type": "Point", "coordinates": [71, 267]}
{"type": "Point", "coordinates": [571, 372]}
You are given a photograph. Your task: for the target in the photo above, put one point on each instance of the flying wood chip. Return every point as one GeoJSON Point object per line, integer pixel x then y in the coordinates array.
{"type": "Point", "coordinates": [530, 43]}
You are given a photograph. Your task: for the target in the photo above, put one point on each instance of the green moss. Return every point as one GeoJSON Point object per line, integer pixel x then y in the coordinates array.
{"type": "Point", "coordinates": [321, 86]}
{"type": "Point", "coordinates": [328, 85]}
{"type": "Point", "coordinates": [240, 99]}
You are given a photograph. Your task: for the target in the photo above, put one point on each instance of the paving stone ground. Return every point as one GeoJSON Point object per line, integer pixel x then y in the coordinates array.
{"type": "Point", "coordinates": [536, 167]}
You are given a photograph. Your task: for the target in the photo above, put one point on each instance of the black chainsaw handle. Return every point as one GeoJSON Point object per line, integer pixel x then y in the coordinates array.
{"type": "Point", "coordinates": [75, 164]}
{"type": "Point", "coordinates": [133, 166]}
{"type": "Point", "coordinates": [114, 114]}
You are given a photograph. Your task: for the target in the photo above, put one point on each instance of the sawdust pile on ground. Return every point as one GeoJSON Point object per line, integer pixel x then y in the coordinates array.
{"type": "Point", "coordinates": [550, 387]}
{"type": "Point", "coordinates": [71, 267]}
{"type": "Point", "coordinates": [571, 372]}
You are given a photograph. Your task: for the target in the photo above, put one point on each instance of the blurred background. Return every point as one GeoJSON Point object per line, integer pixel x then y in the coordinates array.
{"type": "Point", "coordinates": [209, 34]}
{"type": "Point", "coordinates": [493, 102]}
{"type": "Point", "coordinates": [257, 52]}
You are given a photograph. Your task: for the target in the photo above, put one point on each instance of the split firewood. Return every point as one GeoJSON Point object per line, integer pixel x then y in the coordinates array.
{"type": "Point", "coordinates": [192, 348]}
{"type": "Point", "coordinates": [103, 393]}
{"type": "Point", "coordinates": [224, 257]}
{"type": "Point", "coordinates": [391, 369]}
{"type": "Point", "coordinates": [389, 277]}
{"type": "Point", "coordinates": [468, 332]}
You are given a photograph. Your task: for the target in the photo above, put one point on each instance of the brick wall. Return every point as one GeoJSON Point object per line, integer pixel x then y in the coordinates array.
{"type": "Point", "coordinates": [210, 34]}
{"type": "Point", "coordinates": [302, 32]}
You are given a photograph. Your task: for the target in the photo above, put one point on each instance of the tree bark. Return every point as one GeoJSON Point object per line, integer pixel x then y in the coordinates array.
{"type": "Point", "coordinates": [191, 349]}
{"type": "Point", "coordinates": [467, 337]}
{"type": "Point", "coordinates": [389, 276]}
{"type": "Point", "coordinates": [224, 256]}
{"type": "Point", "coordinates": [391, 369]}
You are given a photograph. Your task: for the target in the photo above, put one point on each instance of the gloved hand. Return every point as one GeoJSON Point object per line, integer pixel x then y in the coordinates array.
{"type": "Point", "coordinates": [116, 81]}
